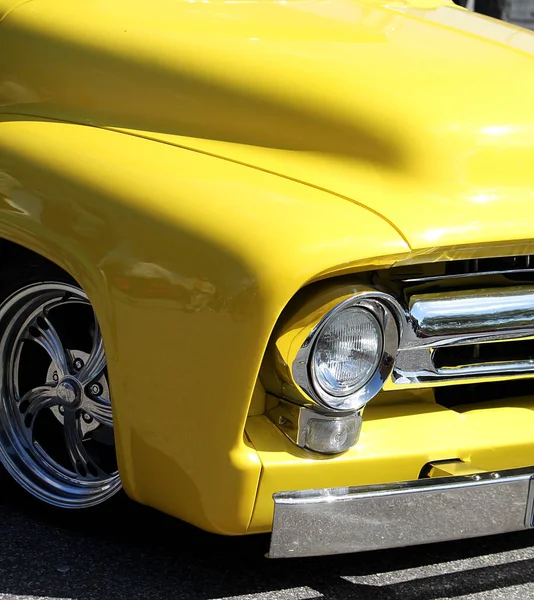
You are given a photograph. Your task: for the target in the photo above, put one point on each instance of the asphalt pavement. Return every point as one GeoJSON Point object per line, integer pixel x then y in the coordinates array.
{"type": "Point", "coordinates": [131, 552]}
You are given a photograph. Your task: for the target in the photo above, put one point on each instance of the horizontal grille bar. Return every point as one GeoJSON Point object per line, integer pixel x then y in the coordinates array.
{"type": "Point", "coordinates": [490, 330]}
{"type": "Point", "coordinates": [464, 313]}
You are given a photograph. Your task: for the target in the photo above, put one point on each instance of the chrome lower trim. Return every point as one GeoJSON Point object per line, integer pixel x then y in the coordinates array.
{"type": "Point", "coordinates": [356, 519]}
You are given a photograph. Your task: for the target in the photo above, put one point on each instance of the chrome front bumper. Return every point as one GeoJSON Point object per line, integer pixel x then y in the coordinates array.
{"type": "Point", "coordinates": [355, 519]}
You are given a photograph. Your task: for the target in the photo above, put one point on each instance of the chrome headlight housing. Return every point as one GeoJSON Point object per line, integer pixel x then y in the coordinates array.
{"type": "Point", "coordinates": [349, 354]}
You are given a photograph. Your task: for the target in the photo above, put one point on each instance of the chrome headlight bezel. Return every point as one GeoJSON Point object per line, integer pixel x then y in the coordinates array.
{"type": "Point", "coordinates": [385, 311]}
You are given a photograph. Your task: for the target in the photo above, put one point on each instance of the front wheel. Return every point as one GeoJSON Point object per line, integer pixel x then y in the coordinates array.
{"type": "Point", "coordinates": [56, 424]}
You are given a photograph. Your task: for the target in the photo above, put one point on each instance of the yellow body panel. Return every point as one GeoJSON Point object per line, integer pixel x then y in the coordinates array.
{"type": "Point", "coordinates": [6, 6]}
{"type": "Point", "coordinates": [187, 289]}
{"type": "Point", "coordinates": [194, 164]}
{"type": "Point", "coordinates": [410, 108]}
{"type": "Point", "coordinates": [396, 442]}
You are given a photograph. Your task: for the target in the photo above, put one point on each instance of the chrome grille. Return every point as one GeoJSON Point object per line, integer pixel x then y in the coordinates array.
{"type": "Point", "coordinates": [466, 322]}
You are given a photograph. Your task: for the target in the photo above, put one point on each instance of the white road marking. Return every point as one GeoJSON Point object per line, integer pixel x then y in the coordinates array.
{"type": "Point", "coordinates": [514, 592]}
{"type": "Point", "coordinates": [17, 597]}
{"type": "Point", "coordinates": [298, 593]}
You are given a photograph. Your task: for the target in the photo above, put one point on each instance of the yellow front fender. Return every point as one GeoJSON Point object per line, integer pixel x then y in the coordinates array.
{"type": "Point", "coordinates": [188, 261]}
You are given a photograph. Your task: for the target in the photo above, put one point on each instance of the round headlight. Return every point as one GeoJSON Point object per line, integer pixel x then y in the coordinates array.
{"type": "Point", "coordinates": [347, 353]}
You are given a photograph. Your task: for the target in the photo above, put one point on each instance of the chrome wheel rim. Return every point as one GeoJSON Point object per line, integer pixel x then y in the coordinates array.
{"type": "Point", "coordinates": [56, 423]}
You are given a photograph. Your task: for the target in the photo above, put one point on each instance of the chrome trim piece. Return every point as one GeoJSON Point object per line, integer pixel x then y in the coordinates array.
{"type": "Point", "coordinates": [529, 517]}
{"type": "Point", "coordinates": [488, 368]}
{"type": "Point", "coordinates": [355, 519]}
{"type": "Point", "coordinates": [463, 318]}
{"type": "Point", "coordinates": [459, 276]}
{"type": "Point", "coordinates": [293, 421]}
{"type": "Point", "coordinates": [390, 317]}
{"type": "Point", "coordinates": [464, 313]}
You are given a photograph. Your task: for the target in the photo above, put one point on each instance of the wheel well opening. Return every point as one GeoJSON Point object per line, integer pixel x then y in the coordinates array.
{"type": "Point", "coordinates": [17, 260]}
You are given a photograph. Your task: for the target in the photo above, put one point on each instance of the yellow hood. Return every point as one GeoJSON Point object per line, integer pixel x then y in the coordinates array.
{"type": "Point", "coordinates": [420, 111]}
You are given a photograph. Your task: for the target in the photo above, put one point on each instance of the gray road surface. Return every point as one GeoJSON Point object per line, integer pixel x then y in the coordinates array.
{"type": "Point", "coordinates": [135, 553]}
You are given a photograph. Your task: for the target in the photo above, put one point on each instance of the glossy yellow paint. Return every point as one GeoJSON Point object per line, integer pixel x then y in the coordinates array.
{"type": "Point", "coordinates": [410, 108]}
{"type": "Point", "coordinates": [6, 6]}
{"type": "Point", "coordinates": [189, 261]}
{"type": "Point", "coordinates": [398, 439]}
{"type": "Point", "coordinates": [453, 469]}
{"type": "Point", "coordinates": [196, 163]}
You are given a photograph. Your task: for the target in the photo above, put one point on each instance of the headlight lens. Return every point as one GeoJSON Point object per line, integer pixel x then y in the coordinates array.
{"type": "Point", "coordinates": [347, 353]}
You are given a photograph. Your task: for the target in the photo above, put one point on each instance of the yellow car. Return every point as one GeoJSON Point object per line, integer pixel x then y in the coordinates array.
{"type": "Point", "coordinates": [269, 265]}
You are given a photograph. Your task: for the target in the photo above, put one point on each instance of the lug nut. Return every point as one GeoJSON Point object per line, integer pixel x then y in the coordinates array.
{"type": "Point", "coordinates": [78, 364]}
{"type": "Point", "coordinates": [95, 389]}
{"type": "Point", "coordinates": [55, 376]}
{"type": "Point", "coordinates": [87, 418]}
{"type": "Point", "coordinates": [61, 410]}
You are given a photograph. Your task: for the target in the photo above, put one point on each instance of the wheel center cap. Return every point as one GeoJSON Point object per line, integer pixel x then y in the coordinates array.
{"type": "Point", "coordinates": [68, 391]}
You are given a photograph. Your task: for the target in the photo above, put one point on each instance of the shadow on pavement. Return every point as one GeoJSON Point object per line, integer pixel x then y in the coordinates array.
{"type": "Point", "coordinates": [133, 552]}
